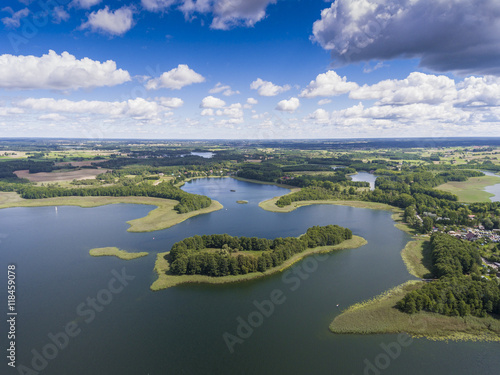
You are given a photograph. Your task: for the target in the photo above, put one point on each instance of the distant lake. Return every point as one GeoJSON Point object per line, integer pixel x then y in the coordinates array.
{"type": "Point", "coordinates": [206, 155]}
{"type": "Point", "coordinates": [366, 177]}
{"type": "Point", "coordinates": [180, 330]}
{"type": "Point", "coordinates": [493, 189]}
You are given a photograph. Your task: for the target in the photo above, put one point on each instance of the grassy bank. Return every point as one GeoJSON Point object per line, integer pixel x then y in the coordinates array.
{"type": "Point", "coordinates": [162, 217]}
{"type": "Point", "coordinates": [166, 280]}
{"type": "Point", "coordinates": [417, 258]}
{"type": "Point", "coordinates": [114, 251]}
{"type": "Point", "coordinates": [471, 190]}
{"type": "Point", "coordinates": [270, 204]}
{"type": "Point", "coordinates": [378, 315]}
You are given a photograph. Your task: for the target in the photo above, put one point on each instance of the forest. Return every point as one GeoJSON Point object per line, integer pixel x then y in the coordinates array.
{"type": "Point", "coordinates": [460, 289]}
{"type": "Point", "coordinates": [187, 202]}
{"type": "Point", "coordinates": [219, 255]}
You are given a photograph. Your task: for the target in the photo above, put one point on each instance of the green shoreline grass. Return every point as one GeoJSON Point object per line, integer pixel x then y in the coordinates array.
{"type": "Point", "coordinates": [416, 256]}
{"type": "Point", "coordinates": [114, 251]}
{"type": "Point", "coordinates": [166, 280]}
{"type": "Point", "coordinates": [162, 217]}
{"type": "Point", "coordinates": [379, 315]}
{"type": "Point", "coordinates": [471, 190]}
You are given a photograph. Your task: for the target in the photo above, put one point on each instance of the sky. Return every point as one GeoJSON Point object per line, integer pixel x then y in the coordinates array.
{"type": "Point", "coordinates": [249, 69]}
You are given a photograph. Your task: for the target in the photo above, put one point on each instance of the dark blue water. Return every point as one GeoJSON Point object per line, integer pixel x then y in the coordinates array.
{"type": "Point", "coordinates": [181, 330]}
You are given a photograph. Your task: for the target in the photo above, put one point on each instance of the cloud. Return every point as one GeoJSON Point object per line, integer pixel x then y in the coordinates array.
{"type": "Point", "coordinates": [59, 15]}
{"type": "Point", "coordinates": [320, 116]}
{"type": "Point", "coordinates": [328, 84]}
{"type": "Point", "coordinates": [290, 105]}
{"type": "Point", "coordinates": [116, 22]}
{"type": "Point", "coordinates": [462, 36]}
{"type": "Point", "coordinates": [52, 117]}
{"type": "Point", "coordinates": [15, 20]}
{"type": "Point", "coordinates": [157, 5]}
{"type": "Point", "coordinates": [225, 89]}
{"type": "Point", "coordinates": [212, 102]}
{"type": "Point", "coordinates": [170, 102]}
{"type": "Point", "coordinates": [84, 4]}
{"type": "Point", "coordinates": [250, 103]}
{"type": "Point", "coordinates": [228, 14]}
{"type": "Point", "coordinates": [175, 79]}
{"type": "Point", "coordinates": [324, 101]}
{"type": "Point", "coordinates": [416, 88]}
{"type": "Point", "coordinates": [138, 109]}
{"type": "Point", "coordinates": [266, 88]}
{"type": "Point", "coordinates": [60, 72]}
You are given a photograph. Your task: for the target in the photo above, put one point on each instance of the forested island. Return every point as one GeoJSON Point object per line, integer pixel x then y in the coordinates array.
{"type": "Point", "coordinates": [221, 258]}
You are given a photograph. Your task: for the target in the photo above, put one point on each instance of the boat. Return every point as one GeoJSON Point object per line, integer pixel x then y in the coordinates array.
{"type": "Point", "coordinates": [233, 190]}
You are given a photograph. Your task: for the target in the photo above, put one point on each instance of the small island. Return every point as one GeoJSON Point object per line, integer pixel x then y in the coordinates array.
{"type": "Point", "coordinates": [221, 258]}
{"type": "Point", "coordinates": [114, 251]}
{"type": "Point", "coordinates": [242, 202]}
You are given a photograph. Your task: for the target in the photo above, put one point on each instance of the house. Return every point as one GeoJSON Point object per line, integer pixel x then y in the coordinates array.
{"type": "Point", "coordinates": [470, 236]}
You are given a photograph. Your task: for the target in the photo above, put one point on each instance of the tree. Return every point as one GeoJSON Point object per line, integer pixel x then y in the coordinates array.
{"type": "Point", "coordinates": [427, 224]}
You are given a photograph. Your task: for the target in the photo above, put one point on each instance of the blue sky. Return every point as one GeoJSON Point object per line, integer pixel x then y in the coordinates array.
{"type": "Point", "coordinates": [249, 68]}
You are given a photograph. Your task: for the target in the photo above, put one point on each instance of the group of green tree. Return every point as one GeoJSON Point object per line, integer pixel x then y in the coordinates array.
{"type": "Point", "coordinates": [460, 289]}
{"type": "Point", "coordinates": [187, 202]}
{"type": "Point", "coordinates": [221, 254]}
{"type": "Point", "coordinates": [413, 190]}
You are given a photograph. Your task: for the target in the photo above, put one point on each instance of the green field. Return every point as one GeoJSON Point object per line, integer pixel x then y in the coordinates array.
{"type": "Point", "coordinates": [114, 251]}
{"type": "Point", "coordinates": [380, 316]}
{"type": "Point", "coordinates": [471, 190]}
{"type": "Point", "coordinates": [162, 217]}
{"type": "Point", "coordinates": [166, 280]}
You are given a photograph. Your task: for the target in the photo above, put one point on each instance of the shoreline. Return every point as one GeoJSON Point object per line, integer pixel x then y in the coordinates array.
{"type": "Point", "coordinates": [162, 217]}
{"type": "Point", "coordinates": [165, 281]}
{"type": "Point", "coordinates": [378, 316]}
{"type": "Point", "coordinates": [114, 251]}
{"type": "Point", "coordinates": [472, 190]}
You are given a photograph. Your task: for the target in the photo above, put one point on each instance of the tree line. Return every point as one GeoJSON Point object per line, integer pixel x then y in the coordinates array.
{"type": "Point", "coordinates": [460, 289]}
{"type": "Point", "coordinates": [221, 254]}
{"type": "Point", "coordinates": [187, 202]}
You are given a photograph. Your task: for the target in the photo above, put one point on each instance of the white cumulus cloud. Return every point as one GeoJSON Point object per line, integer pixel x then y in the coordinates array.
{"type": "Point", "coordinates": [212, 102]}
{"type": "Point", "coordinates": [170, 102]}
{"type": "Point", "coordinates": [175, 79]}
{"type": "Point", "coordinates": [61, 72]}
{"type": "Point", "coordinates": [266, 88]}
{"type": "Point", "coordinates": [116, 22]}
{"type": "Point", "coordinates": [290, 105]}
{"type": "Point", "coordinates": [328, 84]}
{"type": "Point", "coordinates": [228, 14]}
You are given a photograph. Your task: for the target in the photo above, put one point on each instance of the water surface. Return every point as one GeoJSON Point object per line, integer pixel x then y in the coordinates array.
{"type": "Point", "coordinates": [180, 330]}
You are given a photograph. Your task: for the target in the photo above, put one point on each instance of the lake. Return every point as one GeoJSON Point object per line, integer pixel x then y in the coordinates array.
{"type": "Point", "coordinates": [180, 330]}
{"type": "Point", "coordinates": [366, 177]}
{"type": "Point", "coordinates": [493, 189]}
